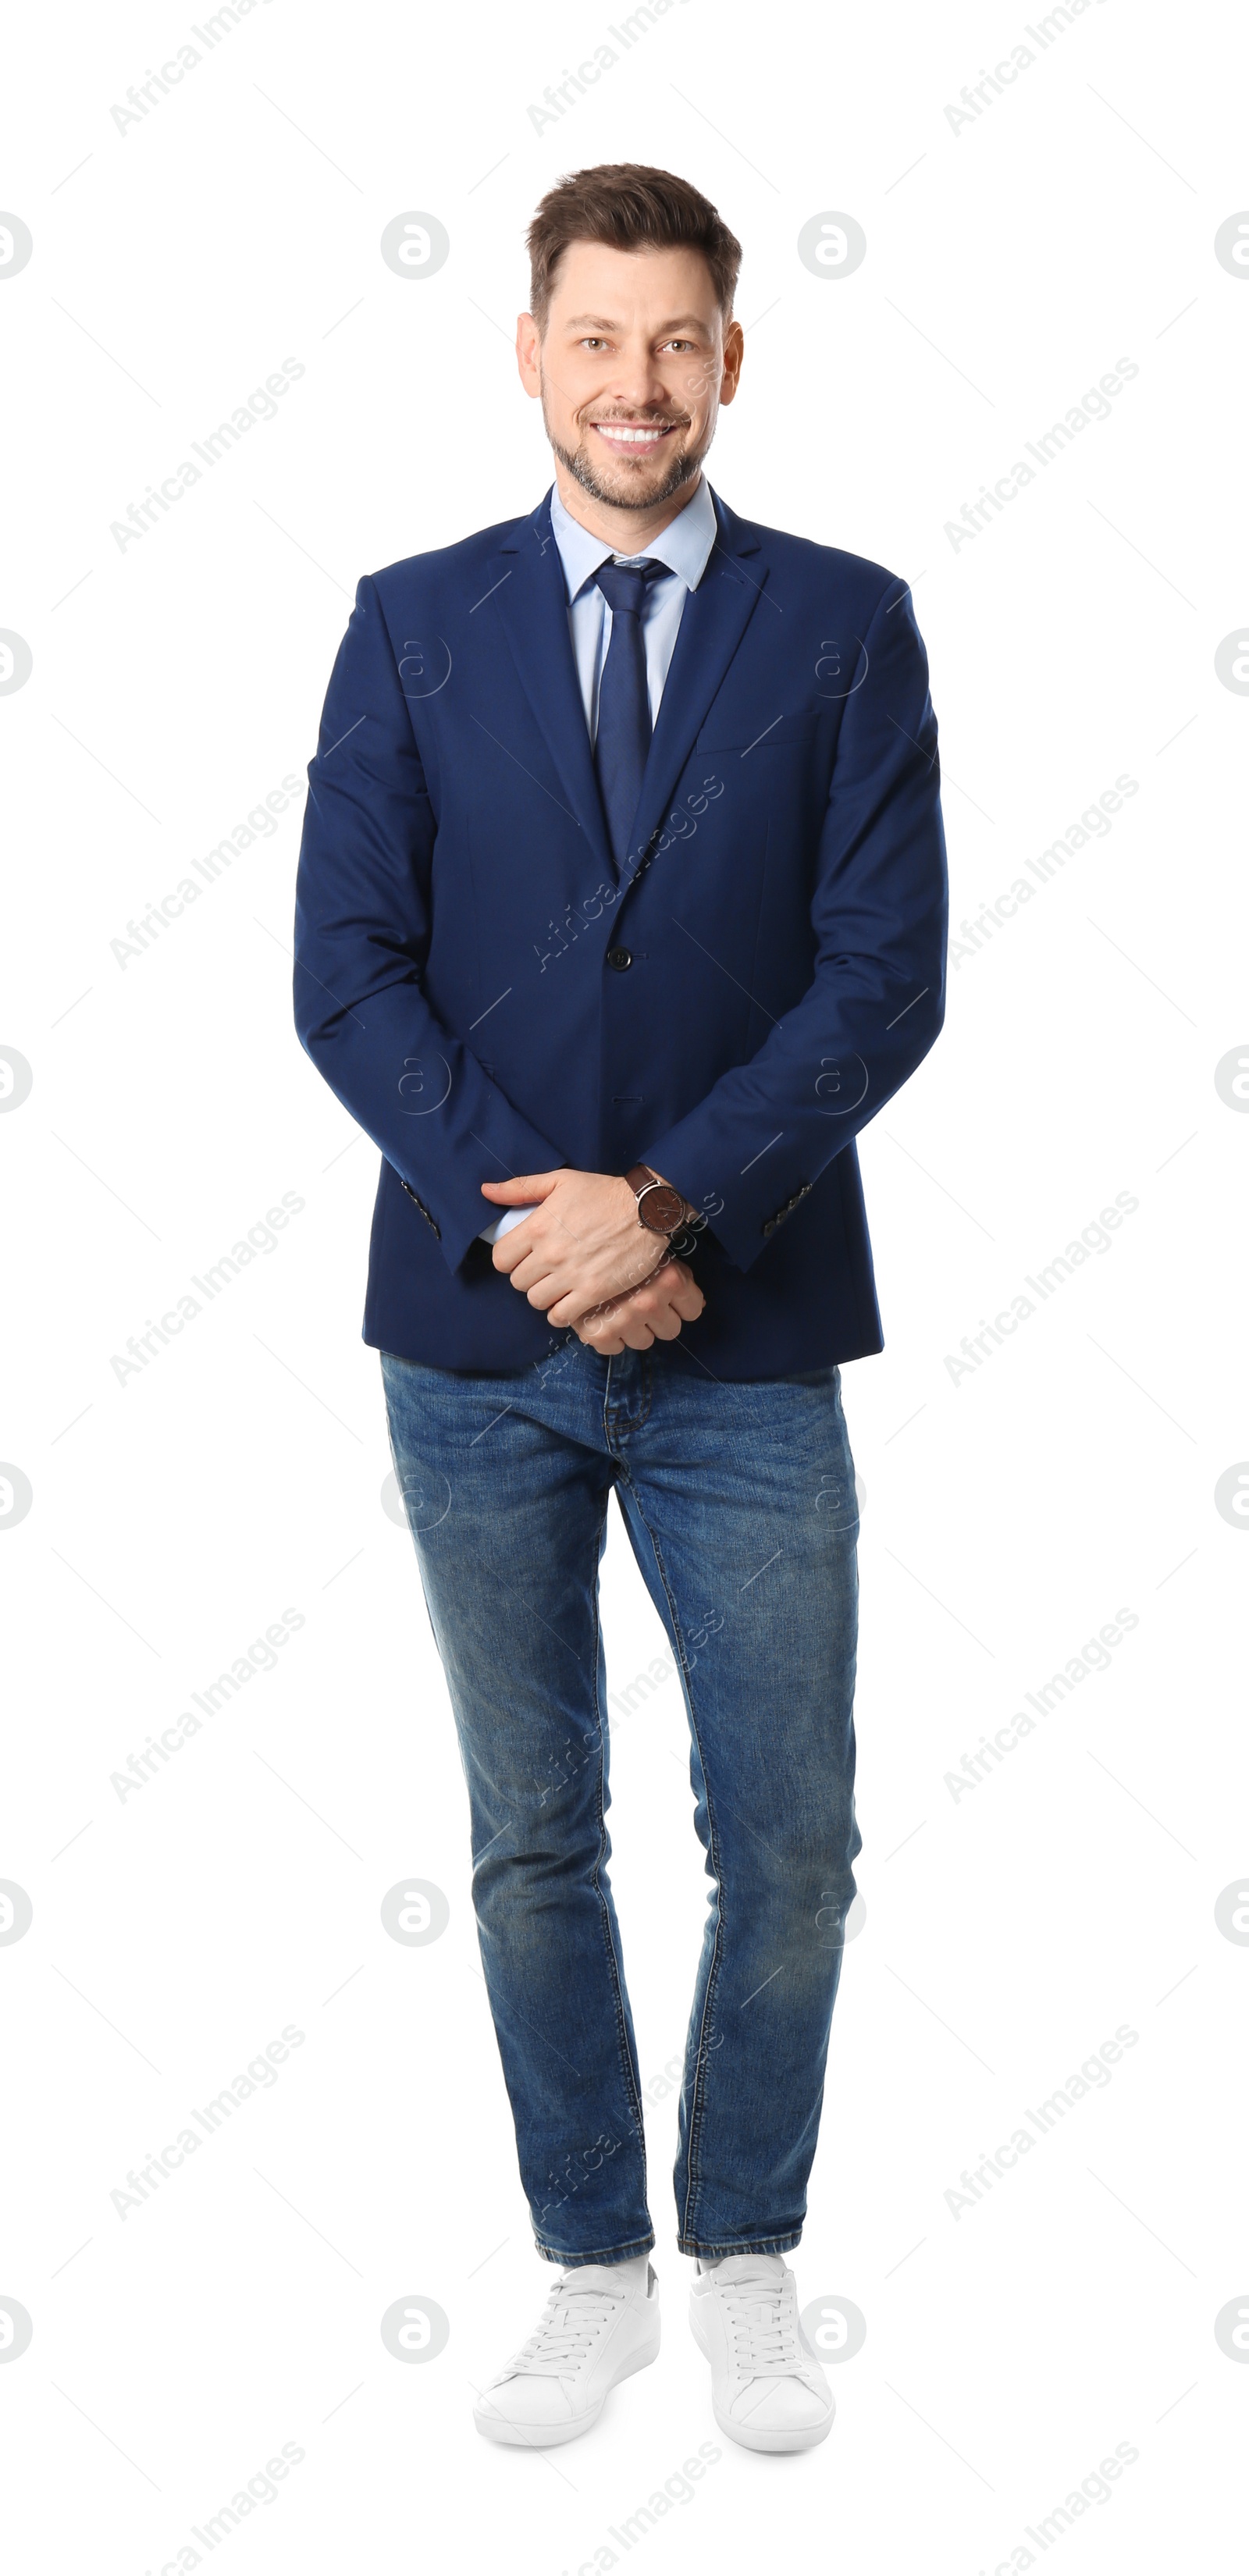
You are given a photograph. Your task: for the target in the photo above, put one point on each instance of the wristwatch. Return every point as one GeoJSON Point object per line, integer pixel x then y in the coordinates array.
{"type": "Point", "coordinates": [661, 1209]}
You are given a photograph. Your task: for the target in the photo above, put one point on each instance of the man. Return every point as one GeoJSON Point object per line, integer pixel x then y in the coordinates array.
{"type": "Point", "coordinates": [621, 910]}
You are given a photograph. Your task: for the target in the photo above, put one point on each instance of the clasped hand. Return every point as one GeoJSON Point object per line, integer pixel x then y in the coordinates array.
{"type": "Point", "coordinates": [584, 1260]}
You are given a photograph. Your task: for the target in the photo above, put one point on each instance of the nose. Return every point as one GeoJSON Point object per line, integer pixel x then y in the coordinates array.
{"type": "Point", "coordinates": [638, 384]}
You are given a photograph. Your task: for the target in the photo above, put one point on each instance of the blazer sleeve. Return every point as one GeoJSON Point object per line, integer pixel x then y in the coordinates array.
{"type": "Point", "coordinates": [761, 1137]}
{"type": "Point", "coordinates": [362, 928]}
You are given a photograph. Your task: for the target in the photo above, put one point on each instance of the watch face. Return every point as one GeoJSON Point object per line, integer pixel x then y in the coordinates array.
{"type": "Point", "coordinates": [661, 1210]}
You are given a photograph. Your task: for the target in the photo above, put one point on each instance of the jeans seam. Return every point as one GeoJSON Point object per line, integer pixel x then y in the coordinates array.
{"type": "Point", "coordinates": [613, 1422]}
{"type": "Point", "coordinates": [614, 1964]}
{"type": "Point", "coordinates": [599, 2253]}
{"type": "Point", "coordinates": [697, 2096]}
{"type": "Point", "coordinates": [781, 2243]}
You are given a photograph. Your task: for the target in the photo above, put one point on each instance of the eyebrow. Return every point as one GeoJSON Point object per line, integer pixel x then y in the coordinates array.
{"type": "Point", "coordinates": [600, 322]}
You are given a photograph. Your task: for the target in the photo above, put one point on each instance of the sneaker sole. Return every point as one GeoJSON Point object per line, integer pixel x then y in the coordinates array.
{"type": "Point", "coordinates": [544, 2437]}
{"type": "Point", "coordinates": [802, 2437]}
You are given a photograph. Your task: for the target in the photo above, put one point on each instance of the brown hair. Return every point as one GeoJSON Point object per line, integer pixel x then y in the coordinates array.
{"type": "Point", "coordinates": [629, 207]}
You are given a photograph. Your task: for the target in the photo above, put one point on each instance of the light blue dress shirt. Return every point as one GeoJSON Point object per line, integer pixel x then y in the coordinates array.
{"type": "Point", "coordinates": [684, 547]}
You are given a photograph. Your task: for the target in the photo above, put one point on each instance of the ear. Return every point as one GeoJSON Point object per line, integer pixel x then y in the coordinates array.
{"type": "Point", "coordinates": [734, 352]}
{"type": "Point", "coordinates": [529, 354]}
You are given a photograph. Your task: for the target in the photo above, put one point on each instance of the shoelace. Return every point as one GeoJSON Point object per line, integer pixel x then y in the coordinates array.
{"type": "Point", "coordinates": [763, 2325]}
{"type": "Point", "coordinates": [572, 2322]}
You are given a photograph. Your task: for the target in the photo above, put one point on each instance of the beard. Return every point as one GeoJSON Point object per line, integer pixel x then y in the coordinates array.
{"type": "Point", "coordinates": [664, 476]}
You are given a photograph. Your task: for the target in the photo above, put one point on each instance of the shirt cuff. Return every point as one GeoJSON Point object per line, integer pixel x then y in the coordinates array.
{"type": "Point", "coordinates": [503, 1224]}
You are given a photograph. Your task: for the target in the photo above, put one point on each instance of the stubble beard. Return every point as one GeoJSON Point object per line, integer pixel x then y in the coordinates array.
{"type": "Point", "coordinates": [631, 492]}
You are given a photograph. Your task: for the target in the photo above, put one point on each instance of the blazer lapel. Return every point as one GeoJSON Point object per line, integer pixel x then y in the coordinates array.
{"type": "Point", "coordinates": [713, 622]}
{"type": "Point", "coordinates": [532, 604]}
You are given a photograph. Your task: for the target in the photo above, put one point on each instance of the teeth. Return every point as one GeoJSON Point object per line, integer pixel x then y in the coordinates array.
{"type": "Point", "coordinates": [630, 437]}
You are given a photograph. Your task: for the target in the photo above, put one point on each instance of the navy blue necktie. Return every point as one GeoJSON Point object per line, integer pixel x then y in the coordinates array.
{"type": "Point", "coordinates": [624, 723]}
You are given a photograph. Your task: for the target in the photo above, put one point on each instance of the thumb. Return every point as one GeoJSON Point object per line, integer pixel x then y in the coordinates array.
{"type": "Point", "coordinates": [521, 1192]}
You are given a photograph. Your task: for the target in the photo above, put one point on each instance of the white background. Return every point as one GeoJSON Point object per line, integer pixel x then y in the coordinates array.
{"type": "Point", "coordinates": [1009, 1931]}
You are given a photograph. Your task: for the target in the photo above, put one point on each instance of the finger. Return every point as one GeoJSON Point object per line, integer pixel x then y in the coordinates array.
{"type": "Point", "coordinates": [664, 1310]}
{"type": "Point", "coordinates": [677, 1283]}
{"type": "Point", "coordinates": [512, 1248]}
{"type": "Point", "coordinates": [518, 1191]}
{"type": "Point", "coordinates": [612, 1315]}
{"type": "Point", "coordinates": [665, 1315]}
{"type": "Point", "coordinates": [604, 1311]}
{"type": "Point", "coordinates": [520, 1260]}
{"type": "Point", "coordinates": [679, 1286]}
{"type": "Point", "coordinates": [599, 1330]}
{"type": "Point", "coordinates": [600, 1337]}
{"type": "Point", "coordinates": [651, 1313]}
{"type": "Point", "coordinates": [648, 1302]}
{"type": "Point", "coordinates": [570, 1309]}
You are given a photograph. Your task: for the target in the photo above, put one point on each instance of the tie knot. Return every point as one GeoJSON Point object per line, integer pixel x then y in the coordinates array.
{"type": "Point", "coordinates": [624, 586]}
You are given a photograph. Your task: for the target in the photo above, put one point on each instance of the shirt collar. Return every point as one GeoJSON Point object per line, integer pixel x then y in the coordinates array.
{"type": "Point", "coordinates": [684, 546]}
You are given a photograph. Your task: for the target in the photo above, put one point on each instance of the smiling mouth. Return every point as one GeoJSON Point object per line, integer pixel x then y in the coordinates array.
{"type": "Point", "coordinates": [635, 438]}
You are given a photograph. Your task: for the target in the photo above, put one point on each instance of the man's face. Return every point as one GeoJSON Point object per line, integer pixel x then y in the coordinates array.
{"type": "Point", "coordinates": [633, 366]}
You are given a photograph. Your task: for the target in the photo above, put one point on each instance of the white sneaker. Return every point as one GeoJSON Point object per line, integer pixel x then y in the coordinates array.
{"type": "Point", "coordinates": [592, 2332]}
{"type": "Point", "coordinates": [767, 2387]}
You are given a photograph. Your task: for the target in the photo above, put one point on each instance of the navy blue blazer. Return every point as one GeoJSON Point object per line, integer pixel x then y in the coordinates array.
{"type": "Point", "coordinates": [488, 995]}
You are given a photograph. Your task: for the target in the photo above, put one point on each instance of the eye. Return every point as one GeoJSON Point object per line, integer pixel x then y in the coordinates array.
{"type": "Point", "coordinates": [591, 343]}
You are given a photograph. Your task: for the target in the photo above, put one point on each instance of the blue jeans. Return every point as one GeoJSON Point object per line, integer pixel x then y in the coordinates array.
{"type": "Point", "coordinates": [739, 1501]}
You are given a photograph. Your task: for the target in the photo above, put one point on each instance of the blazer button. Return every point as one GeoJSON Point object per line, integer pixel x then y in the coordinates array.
{"type": "Point", "coordinates": [620, 958]}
